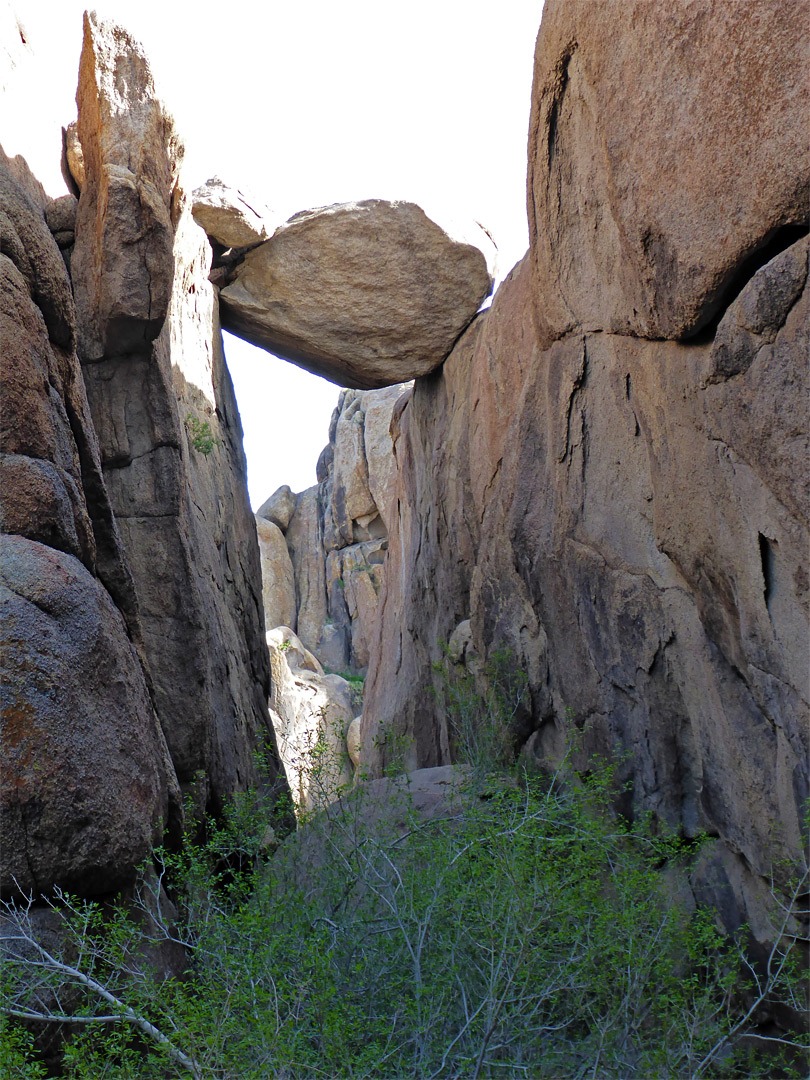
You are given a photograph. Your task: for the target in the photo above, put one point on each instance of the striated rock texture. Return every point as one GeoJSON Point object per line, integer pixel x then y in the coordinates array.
{"type": "Point", "coordinates": [85, 782]}
{"type": "Point", "coordinates": [133, 648]}
{"type": "Point", "coordinates": [167, 422]}
{"type": "Point", "coordinates": [622, 509]}
{"type": "Point", "coordinates": [336, 535]}
{"type": "Point", "coordinates": [366, 294]}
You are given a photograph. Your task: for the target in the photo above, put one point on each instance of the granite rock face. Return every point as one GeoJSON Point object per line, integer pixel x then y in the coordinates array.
{"type": "Point", "coordinates": [366, 294]}
{"type": "Point", "coordinates": [124, 257]}
{"type": "Point", "coordinates": [167, 422]}
{"type": "Point", "coordinates": [84, 780]}
{"type": "Point", "coordinates": [336, 534]}
{"type": "Point", "coordinates": [625, 512]}
{"type": "Point", "coordinates": [81, 801]}
{"type": "Point", "coordinates": [278, 592]}
{"type": "Point", "coordinates": [311, 712]}
{"type": "Point", "coordinates": [229, 216]}
{"type": "Point", "coordinates": [134, 660]}
{"type": "Point", "coordinates": [650, 136]}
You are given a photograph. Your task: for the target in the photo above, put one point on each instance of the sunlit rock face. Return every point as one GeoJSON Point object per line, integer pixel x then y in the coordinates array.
{"type": "Point", "coordinates": [335, 535]}
{"type": "Point", "coordinates": [366, 294]}
{"type": "Point", "coordinates": [167, 421]}
{"type": "Point", "coordinates": [231, 217]}
{"type": "Point", "coordinates": [608, 476]}
{"type": "Point", "coordinates": [312, 711]}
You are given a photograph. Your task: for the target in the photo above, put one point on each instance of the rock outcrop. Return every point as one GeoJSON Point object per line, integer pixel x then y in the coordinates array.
{"type": "Point", "coordinates": [312, 712]}
{"type": "Point", "coordinates": [322, 558]}
{"type": "Point", "coordinates": [366, 294]}
{"type": "Point", "coordinates": [229, 216]}
{"type": "Point", "coordinates": [167, 422]}
{"type": "Point", "coordinates": [336, 535]}
{"type": "Point", "coordinates": [134, 655]}
{"type": "Point", "coordinates": [608, 476]}
{"type": "Point", "coordinates": [83, 798]}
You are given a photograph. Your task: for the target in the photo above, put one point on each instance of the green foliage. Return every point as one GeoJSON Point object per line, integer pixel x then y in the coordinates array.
{"type": "Point", "coordinates": [394, 748]}
{"type": "Point", "coordinates": [523, 934]}
{"type": "Point", "coordinates": [17, 1060]}
{"type": "Point", "coordinates": [202, 437]}
{"type": "Point", "coordinates": [481, 709]}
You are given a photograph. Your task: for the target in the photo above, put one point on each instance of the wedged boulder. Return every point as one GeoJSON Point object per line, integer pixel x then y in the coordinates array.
{"type": "Point", "coordinates": [667, 145]}
{"type": "Point", "coordinates": [378, 407]}
{"type": "Point", "coordinates": [278, 580]}
{"type": "Point", "coordinates": [366, 294]}
{"type": "Point", "coordinates": [85, 782]}
{"type": "Point", "coordinates": [123, 262]}
{"type": "Point", "coordinates": [279, 508]}
{"type": "Point", "coordinates": [311, 713]}
{"type": "Point", "coordinates": [354, 741]}
{"type": "Point", "coordinates": [230, 216]}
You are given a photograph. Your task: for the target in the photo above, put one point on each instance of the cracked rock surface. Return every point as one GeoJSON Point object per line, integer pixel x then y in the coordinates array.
{"type": "Point", "coordinates": [622, 510]}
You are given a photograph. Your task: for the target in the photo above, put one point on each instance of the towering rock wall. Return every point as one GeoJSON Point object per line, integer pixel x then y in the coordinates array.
{"type": "Point", "coordinates": [609, 474]}
{"type": "Point", "coordinates": [167, 421]}
{"type": "Point", "coordinates": [133, 636]}
{"type": "Point", "coordinates": [86, 783]}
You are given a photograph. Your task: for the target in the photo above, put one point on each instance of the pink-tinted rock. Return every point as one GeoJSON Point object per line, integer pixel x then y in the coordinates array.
{"type": "Point", "coordinates": [666, 145]}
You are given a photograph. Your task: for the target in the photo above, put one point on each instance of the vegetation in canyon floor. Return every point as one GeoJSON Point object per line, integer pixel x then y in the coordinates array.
{"type": "Point", "coordinates": [523, 932]}
{"type": "Point", "coordinates": [524, 935]}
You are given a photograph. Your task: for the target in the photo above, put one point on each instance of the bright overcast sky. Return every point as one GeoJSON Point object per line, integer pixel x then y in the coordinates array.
{"type": "Point", "coordinates": [306, 104]}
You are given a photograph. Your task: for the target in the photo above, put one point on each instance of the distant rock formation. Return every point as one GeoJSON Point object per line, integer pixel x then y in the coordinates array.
{"type": "Point", "coordinates": [312, 711]}
{"type": "Point", "coordinates": [335, 534]}
{"type": "Point", "coordinates": [134, 656]}
{"type": "Point", "coordinates": [323, 553]}
{"type": "Point", "coordinates": [609, 475]}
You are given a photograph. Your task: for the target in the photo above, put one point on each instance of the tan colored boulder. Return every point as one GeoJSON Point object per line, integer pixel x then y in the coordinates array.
{"type": "Point", "coordinates": [311, 712]}
{"type": "Point", "coordinates": [378, 407]}
{"type": "Point", "coordinates": [362, 573]}
{"type": "Point", "coordinates": [279, 508]}
{"type": "Point", "coordinates": [123, 262]}
{"type": "Point", "coordinates": [354, 741]}
{"type": "Point", "coordinates": [229, 215]}
{"type": "Point", "coordinates": [667, 144]}
{"type": "Point", "coordinates": [365, 294]}
{"type": "Point", "coordinates": [305, 543]}
{"type": "Point", "coordinates": [74, 154]}
{"type": "Point", "coordinates": [351, 501]}
{"type": "Point", "coordinates": [278, 581]}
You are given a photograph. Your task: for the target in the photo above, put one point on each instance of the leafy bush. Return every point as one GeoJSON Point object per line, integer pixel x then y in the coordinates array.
{"type": "Point", "coordinates": [521, 935]}
{"type": "Point", "coordinates": [202, 437]}
{"type": "Point", "coordinates": [520, 932]}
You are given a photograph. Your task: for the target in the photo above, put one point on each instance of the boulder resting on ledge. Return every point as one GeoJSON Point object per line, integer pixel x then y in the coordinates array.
{"type": "Point", "coordinates": [366, 294]}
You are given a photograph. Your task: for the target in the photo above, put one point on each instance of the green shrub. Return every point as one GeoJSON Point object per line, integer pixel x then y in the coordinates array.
{"type": "Point", "coordinates": [202, 437]}
{"type": "Point", "coordinates": [525, 933]}
{"type": "Point", "coordinates": [525, 936]}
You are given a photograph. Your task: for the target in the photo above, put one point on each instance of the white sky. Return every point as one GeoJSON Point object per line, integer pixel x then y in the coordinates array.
{"type": "Point", "coordinates": [308, 104]}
